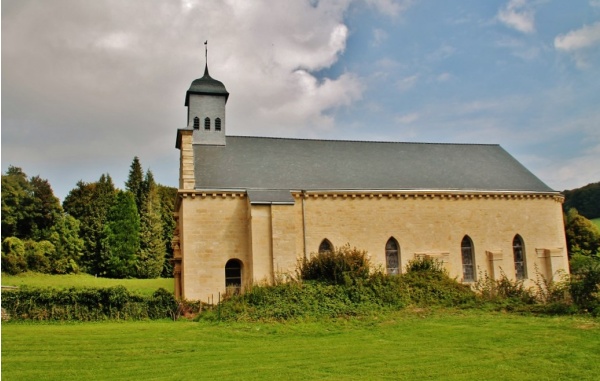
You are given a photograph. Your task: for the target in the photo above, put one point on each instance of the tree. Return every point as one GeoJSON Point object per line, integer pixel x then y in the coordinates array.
{"type": "Point", "coordinates": [585, 199]}
{"type": "Point", "coordinates": [89, 203]}
{"type": "Point", "coordinates": [581, 233]}
{"type": "Point", "coordinates": [135, 182]}
{"type": "Point", "coordinates": [17, 204]}
{"type": "Point", "coordinates": [47, 208]}
{"type": "Point", "coordinates": [29, 207]}
{"type": "Point", "coordinates": [68, 245]}
{"type": "Point", "coordinates": [13, 256]}
{"type": "Point", "coordinates": [120, 238]}
{"type": "Point", "coordinates": [39, 255]}
{"type": "Point", "coordinates": [167, 196]}
{"type": "Point", "coordinates": [152, 247]}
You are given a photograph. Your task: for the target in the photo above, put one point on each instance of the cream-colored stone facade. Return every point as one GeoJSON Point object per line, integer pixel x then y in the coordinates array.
{"type": "Point", "coordinates": [214, 227]}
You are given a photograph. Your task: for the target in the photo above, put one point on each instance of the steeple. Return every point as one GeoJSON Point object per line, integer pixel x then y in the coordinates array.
{"type": "Point", "coordinates": [205, 100]}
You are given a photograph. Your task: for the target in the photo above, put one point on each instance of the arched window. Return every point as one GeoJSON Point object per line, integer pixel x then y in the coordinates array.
{"type": "Point", "coordinates": [468, 261]}
{"type": "Point", "coordinates": [325, 246]}
{"type": "Point", "coordinates": [392, 257]}
{"type": "Point", "coordinates": [218, 124]}
{"type": "Point", "coordinates": [233, 273]}
{"type": "Point", "coordinates": [519, 256]}
{"type": "Point", "coordinates": [196, 123]}
{"type": "Point", "coordinates": [207, 123]}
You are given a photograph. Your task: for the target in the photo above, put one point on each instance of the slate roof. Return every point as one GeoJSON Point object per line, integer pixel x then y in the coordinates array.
{"type": "Point", "coordinates": [258, 163]}
{"type": "Point", "coordinates": [206, 85]}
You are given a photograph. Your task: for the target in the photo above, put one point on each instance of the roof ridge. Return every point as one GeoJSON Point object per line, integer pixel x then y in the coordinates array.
{"type": "Point", "coordinates": [361, 141]}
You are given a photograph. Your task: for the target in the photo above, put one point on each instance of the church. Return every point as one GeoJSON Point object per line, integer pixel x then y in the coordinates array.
{"type": "Point", "coordinates": [248, 208]}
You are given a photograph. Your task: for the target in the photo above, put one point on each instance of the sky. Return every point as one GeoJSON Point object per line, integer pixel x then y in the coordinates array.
{"type": "Point", "coordinates": [88, 85]}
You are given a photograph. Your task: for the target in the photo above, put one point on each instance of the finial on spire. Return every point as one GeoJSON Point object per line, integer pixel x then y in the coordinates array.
{"type": "Point", "coordinates": [206, 58]}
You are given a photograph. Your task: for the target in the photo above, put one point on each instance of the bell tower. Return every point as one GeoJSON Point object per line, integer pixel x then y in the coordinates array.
{"type": "Point", "coordinates": [205, 101]}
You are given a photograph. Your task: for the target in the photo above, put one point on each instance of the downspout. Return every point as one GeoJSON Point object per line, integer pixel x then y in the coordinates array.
{"type": "Point", "coordinates": [303, 223]}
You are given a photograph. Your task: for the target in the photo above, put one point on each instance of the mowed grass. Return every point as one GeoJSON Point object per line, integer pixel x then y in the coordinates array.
{"type": "Point", "coordinates": [407, 345]}
{"type": "Point", "coordinates": [142, 286]}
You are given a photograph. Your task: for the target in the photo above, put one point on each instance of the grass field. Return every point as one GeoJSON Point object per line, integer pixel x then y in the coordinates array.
{"type": "Point", "coordinates": [142, 286]}
{"type": "Point", "coordinates": [409, 345]}
{"type": "Point", "coordinates": [596, 222]}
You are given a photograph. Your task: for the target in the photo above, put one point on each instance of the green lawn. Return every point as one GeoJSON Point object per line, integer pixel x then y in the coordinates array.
{"type": "Point", "coordinates": [143, 286]}
{"type": "Point", "coordinates": [409, 345]}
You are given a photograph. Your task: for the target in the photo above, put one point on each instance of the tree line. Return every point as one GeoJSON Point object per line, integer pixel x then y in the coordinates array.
{"type": "Point", "coordinates": [98, 229]}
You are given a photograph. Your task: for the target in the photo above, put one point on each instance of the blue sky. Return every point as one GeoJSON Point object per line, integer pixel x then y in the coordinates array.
{"type": "Point", "coordinates": [86, 86]}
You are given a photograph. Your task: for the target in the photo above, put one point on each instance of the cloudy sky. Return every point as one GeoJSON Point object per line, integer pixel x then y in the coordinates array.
{"type": "Point", "coordinates": [88, 85]}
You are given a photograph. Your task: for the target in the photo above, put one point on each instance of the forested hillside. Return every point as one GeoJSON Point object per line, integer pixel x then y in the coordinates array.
{"type": "Point", "coordinates": [585, 199]}
{"type": "Point", "coordinates": [99, 229]}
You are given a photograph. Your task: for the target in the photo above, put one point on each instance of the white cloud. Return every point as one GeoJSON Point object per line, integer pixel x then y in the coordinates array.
{"type": "Point", "coordinates": [578, 39]}
{"type": "Point", "coordinates": [519, 48]}
{"type": "Point", "coordinates": [407, 83]}
{"type": "Point", "coordinates": [390, 7]}
{"type": "Point", "coordinates": [407, 118]}
{"type": "Point", "coordinates": [579, 43]}
{"type": "Point", "coordinates": [518, 15]}
{"type": "Point", "coordinates": [444, 77]}
{"type": "Point", "coordinates": [100, 82]}
{"type": "Point", "coordinates": [379, 36]}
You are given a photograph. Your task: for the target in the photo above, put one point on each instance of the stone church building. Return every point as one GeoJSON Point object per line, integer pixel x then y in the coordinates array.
{"type": "Point", "coordinates": [249, 207]}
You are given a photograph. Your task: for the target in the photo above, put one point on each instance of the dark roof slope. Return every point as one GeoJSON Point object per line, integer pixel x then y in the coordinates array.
{"type": "Point", "coordinates": [296, 164]}
{"type": "Point", "coordinates": [206, 85]}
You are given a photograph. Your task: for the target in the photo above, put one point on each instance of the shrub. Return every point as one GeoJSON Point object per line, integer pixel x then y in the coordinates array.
{"type": "Point", "coordinates": [87, 304]}
{"type": "Point", "coordinates": [335, 267]}
{"type": "Point", "coordinates": [13, 256]}
{"type": "Point", "coordinates": [584, 285]}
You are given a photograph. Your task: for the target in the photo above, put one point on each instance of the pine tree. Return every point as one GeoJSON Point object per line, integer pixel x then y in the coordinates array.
{"type": "Point", "coordinates": [152, 246]}
{"type": "Point", "coordinates": [121, 238]}
{"type": "Point", "coordinates": [89, 203]}
{"type": "Point", "coordinates": [167, 196]}
{"type": "Point", "coordinates": [135, 182]}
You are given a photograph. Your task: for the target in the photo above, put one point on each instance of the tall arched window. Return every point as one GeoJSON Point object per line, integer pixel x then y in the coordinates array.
{"type": "Point", "coordinates": [233, 273]}
{"type": "Point", "coordinates": [196, 123]}
{"type": "Point", "coordinates": [392, 257]}
{"type": "Point", "coordinates": [325, 246]}
{"type": "Point", "coordinates": [519, 256]}
{"type": "Point", "coordinates": [468, 260]}
{"type": "Point", "coordinates": [218, 124]}
{"type": "Point", "coordinates": [207, 123]}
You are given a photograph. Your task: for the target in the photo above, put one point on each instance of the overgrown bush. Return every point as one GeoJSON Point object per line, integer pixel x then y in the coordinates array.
{"type": "Point", "coordinates": [584, 284]}
{"type": "Point", "coordinates": [505, 292]}
{"type": "Point", "coordinates": [87, 304]}
{"type": "Point", "coordinates": [337, 293]}
{"type": "Point", "coordinates": [335, 267]}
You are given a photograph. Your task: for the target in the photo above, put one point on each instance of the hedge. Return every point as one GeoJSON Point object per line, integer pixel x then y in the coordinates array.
{"type": "Point", "coordinates": [87, 304]}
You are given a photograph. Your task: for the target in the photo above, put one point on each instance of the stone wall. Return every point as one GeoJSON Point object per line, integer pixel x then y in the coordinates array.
{"type": "Point", "coordinates": [269, 239]}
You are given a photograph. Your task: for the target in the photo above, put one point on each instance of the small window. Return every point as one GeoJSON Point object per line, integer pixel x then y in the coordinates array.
{"type": "Point", "coordinates": [519, 257]}
{"type": "Point", "coordinates": [207, 124]}
{"type": "Point", "coordinates": [468, 262]}
{"type": "Point", "coordinates": [325, 246]}
{"type": "Point", "coordinates": [218, 124]}
{"type": "Point", "coordinates": [233, 273]}
{"type": "Point", "coordinates": [392, 262]}
{"type": "Point", "coordinates": [196, 123]}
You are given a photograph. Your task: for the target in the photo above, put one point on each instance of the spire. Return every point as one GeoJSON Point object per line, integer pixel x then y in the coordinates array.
{"type": "Point", "coordinates": [206, 59]}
